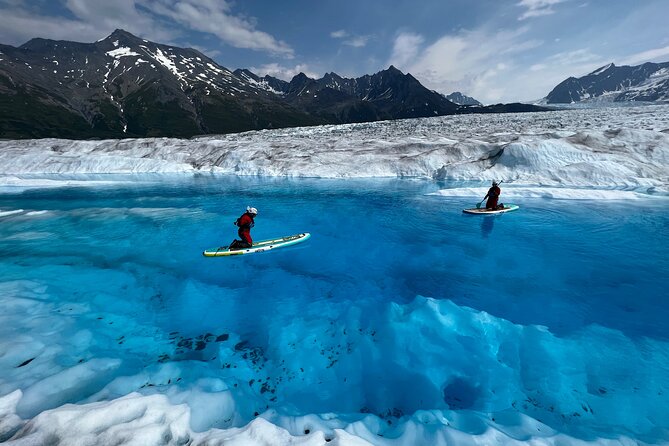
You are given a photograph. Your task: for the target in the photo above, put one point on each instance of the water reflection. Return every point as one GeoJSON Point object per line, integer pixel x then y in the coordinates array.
{"type": "Point", "coordinates": [487, 225]}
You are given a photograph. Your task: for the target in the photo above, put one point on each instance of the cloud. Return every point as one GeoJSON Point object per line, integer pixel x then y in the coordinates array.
{"type": "Point", "coordinates": [478, 63]}
{"type": "Point", "coordinates": [406, 49]}
{"type": "Point", "coordinates": [549, 72]}
{"type": "Point", "coordinates": [491, 65]}
{"type": "Point", "coordinates": [654, 55]}
{"type": "Point", "coordinates": [88, 21]}
{"type": "Point", "coordinates": [18, 27]}
{"type": "Point", "coordinates": [159, 20]}
{"type": "Point", "coordinates": [285, 73]}
{"type": "Point", "coordinates": [355, 41]}
{"type": "Point", "coordinates": [582, 56]}
{"type": "Point", "coordinates": [537, 8]}
{"type": "Point", "coordinates": [214, 17]}
{"type": "Point", "coordinates": [12, 2]}
{"type": "Point", "coordinates": [570, 63]}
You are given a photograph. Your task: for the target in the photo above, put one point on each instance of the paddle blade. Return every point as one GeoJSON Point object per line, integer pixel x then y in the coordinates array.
{"type": "Point", "coordinates": [478, 205]}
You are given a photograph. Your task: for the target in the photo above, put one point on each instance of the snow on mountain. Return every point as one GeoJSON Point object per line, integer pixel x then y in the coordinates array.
{"type": "Point", "coordinates": [657, 84]}
{"type": "Point", "coordinates": [125, 86]}
{"type": "Point", "coordinates": [269, 83]}
{"type": "Point", "coordinates": [648, 83]}
{"type": "Point", "coordinates": [611, 148]}
{"type": "Point", "coordinates": [601, 70]}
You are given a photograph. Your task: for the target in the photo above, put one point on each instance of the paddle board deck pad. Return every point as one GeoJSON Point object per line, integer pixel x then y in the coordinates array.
{"type": "Point", "coordinates": [484, 211]}
{"type": "Point", "coordinates": [262, 246]}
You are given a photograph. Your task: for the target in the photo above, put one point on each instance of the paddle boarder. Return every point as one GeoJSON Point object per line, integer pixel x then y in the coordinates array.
{"type": "Point", "coordinates": [245, 223]}
{"type": "Point", "coordinates": [493, 197]}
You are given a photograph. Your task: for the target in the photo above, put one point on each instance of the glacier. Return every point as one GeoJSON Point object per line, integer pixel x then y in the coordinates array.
{"type": "Point", "coordinates": [620, 148]}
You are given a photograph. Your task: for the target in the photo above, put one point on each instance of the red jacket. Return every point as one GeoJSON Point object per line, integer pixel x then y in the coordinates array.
{"type": "Point", "coordinates": [245, 223]}
{"type": "Point", "coordinates": [492, 196]}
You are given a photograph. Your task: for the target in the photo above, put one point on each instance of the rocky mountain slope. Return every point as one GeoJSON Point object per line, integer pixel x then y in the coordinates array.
{"type": "Point", "coordinates": [124, 86]}
{"type": "Point", "coordinates": [645, 83]}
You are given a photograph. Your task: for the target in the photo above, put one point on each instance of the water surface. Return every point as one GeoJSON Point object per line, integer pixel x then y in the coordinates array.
{"type": "Point", "coordinates": [399, 302]}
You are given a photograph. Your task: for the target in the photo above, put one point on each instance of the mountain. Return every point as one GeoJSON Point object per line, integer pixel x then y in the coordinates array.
{"type": "Point", "coordinates": [125, 86]}
{"type": "Point", "coordinates": [388, 94]}
{"type": "Point", "coordinates": [460, 99]}
{"type": "Point", "coordinates": [648, 83]}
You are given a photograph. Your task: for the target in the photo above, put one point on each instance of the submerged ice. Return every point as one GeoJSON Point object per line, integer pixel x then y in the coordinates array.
{"type": "Point", "coordinates": [454, 358]}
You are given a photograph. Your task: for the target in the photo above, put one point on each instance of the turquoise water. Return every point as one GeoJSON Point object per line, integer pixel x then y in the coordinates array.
{"type": "Point", "coordinates": [399, 302]}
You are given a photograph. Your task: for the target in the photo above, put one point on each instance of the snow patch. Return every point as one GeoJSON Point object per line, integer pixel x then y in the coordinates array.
{"type": "Point", "coordinates": [121, 52]}
{"type": "Point", "coordinates": [601, 70]}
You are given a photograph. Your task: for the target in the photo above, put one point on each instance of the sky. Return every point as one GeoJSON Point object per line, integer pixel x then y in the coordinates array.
{"type": "Point", "coordinates": [492, 50]}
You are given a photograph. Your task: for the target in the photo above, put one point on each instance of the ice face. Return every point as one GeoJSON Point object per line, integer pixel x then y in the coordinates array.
{"type": "Point", "coordinates": [612, 148]}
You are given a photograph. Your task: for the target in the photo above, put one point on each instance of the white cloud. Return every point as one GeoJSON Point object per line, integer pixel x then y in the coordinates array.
{"type": "Point", "coordinates": [90, 21]}
{"type": "Point", "coordinates": [406, 49]}
{"type": "Point", "coordinates": [476, 63]}
{"type": "Point", "coordinates": [97, 11]}
{"type": "Point", "coordinates": [18, 27]}
{"type": "Point", "coordinates": [357, 42]}
{"type": "Point", "coordinates": [350, 40]}
{"type": "Point", "coordinates": [491, 66]}
{"type": "Point", "coordinates": [537, 8]}
{"type": "Point", "coordinates": [214, 17]}
{"type": "Point", "coordinates": [577, 63]}
{"type": "Point", "coordinates": [95, 19]}
{"type": "Point", "coordinates": [285, 73]}
{"type": "Point", "coordinates": [654, 55]}
{"type": "Point", "coordinates": [340, 34]}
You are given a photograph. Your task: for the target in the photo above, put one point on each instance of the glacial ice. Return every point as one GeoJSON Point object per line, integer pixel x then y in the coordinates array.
{"type": "Point", "coordinates": [625, 148]}
{"type": "Point", "coordinates": [481, 363]}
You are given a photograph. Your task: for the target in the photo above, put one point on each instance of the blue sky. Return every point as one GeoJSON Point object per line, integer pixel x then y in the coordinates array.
{"type": "Point", "coordinates": [493, 50]}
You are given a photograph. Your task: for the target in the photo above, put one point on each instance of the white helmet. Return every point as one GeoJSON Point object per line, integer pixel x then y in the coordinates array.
{"type": "Point", "coordinates": [251, 210]}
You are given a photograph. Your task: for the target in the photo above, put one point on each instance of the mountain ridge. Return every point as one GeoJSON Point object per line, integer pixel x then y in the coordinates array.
{"type": "Point", "coordinates": [462, 99]}
{"type": "Point", "coordinates": [648, 82]}
{"type": "Point", "coordinates": [126, 86]}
